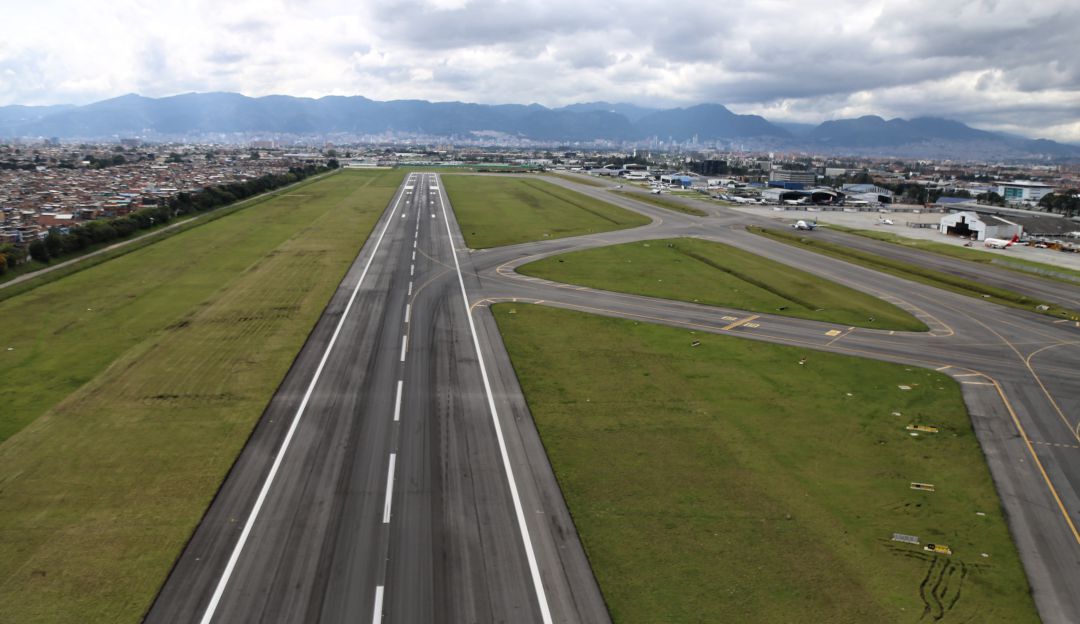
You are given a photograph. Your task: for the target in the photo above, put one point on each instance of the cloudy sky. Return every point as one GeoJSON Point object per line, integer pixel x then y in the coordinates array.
{"type": "Point", "coordinates": [995, 64]}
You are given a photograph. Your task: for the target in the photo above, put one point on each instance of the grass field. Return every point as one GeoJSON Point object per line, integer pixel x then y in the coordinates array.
{"type": "Point", "coordinates": [700, 271]}
{"type": "Point", "coordinates": [1049, 271]}
{"type": "Point", "coordinates": [88, 258]}
{"type": "Point", "coordinates": [580, 179]}
{"type": "Point", "coordinates": [728, 483]}
{"type": "Point", "coordinates": [663, 202]}
{"type": "Point", "coordinates": [917, 273]}
{"type": "Point", "coordinates": [133, 385]}
{"type": "Point", "coordinates": [493, 211]}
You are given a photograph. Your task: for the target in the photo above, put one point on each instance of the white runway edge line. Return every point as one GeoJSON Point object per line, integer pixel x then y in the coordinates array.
{"type": "Point", "coordinates": [211, 608]}
{"type": "Point", "coordinates": [389, 489]}
{"type": "Point", "coordinates": [376, 617]}
{"type": "Point", "coordinates": [397, 401]}
{"type": "Point", "coordinates": [538, 583]}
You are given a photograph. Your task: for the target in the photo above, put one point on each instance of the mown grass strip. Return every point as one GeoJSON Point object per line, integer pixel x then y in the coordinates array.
{"type": "Point", "coordinates": [916, 273]}
{"type": "Point", "coordinates": [579, 179]}
{"type": "Point", "coordinates": [84, 260]}
{"type": "Point", "coordinates": [662, 202]}
{"type": "Point", "coordinates": [494, 211]}
{"type": "Point", "coordinates": [1020, 265]}
{"type": "Point", "coordinates": [699, 271]}
{"type": "Point", "coordinates": [729, 482]}
{"type": "Point", "coordinates": [138, 382]}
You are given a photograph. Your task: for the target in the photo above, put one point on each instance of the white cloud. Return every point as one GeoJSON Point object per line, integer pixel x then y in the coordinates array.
{"type": "Point", "coordinates": [1004, 64]}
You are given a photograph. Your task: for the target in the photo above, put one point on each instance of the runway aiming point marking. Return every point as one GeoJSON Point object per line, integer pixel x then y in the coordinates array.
{"type": "Point", "coordinates": [833, 332]}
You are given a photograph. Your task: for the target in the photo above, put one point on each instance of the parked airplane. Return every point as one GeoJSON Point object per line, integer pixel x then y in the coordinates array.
{"type": "Point", "coordinates": [804, 225]}
{"type": "Point", "coordinates": [1001, 243]}
{"type": "Point", "coordinates": [884, 221]}
{"type": "Point", "coordinates": [656, 191]}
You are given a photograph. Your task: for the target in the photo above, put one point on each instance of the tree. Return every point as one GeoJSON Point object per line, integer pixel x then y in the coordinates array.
{"type": "Point", "coordinates": [38, 251]}
{"type": "Point", "coordinates": [54, 244]}
{"type": "Point", "coordinates": [3, 264]}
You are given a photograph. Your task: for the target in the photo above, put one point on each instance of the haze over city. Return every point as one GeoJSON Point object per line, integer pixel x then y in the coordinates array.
{"type": "Point", "coordinates": [1005, 66]}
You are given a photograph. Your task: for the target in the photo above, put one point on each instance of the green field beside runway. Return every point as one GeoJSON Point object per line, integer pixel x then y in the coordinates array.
{"type": "Point", "coordinates": [916, 273]}
{"type": "Point", "coordinates": [493, 211]}
{"type": "Point", "coordinates": [729, 483]}
{"type": "Point", "coordinates": [664, 202]}
{"type": "Point", "coordinates": [130, 387]}
{"type": "Point", "coordinates": [701, 271]}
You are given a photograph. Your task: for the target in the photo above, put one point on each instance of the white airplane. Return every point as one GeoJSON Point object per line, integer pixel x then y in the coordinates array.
{"type": "Point", "coordinates": [656, 191]}
{"type": "Point", "coordinates": [804, 225]}
{"type": "Point", "coordinates": [884, 221]}
{"type": "Point", "coordinates": [1001, 243]}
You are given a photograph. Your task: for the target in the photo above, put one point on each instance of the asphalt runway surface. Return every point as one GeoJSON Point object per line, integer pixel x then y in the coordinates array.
{"type": "Point", "coordinates": [349, 504]}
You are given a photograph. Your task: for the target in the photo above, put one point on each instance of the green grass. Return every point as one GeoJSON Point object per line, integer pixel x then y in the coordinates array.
{"type": "Point", "coordinates": [493, 211]}
{"type": "Point", "coordinates": [1021, 265]}
{"type": "Point", "coordinates": [580, 179]}
{"type": "Point", "coordinates": [701, 271]}
{"type": "Point", "coordinates": [916, 273]}
{"type": "Point", "coordinates": [83, 259]}
{"type": "Point", "coordinates": [662, 202]}
{"type": "Point", "coordinates": [728, 483]}
{"type": "Point", "coordinates": [136, 383]}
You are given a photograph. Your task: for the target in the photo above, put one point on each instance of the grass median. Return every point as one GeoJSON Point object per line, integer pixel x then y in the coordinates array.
{"type": "Point", "coordinates": [730, 483]}
{"type": "Point", "coordinates": [138, 381]}
{"type": "Point", "coordinates": [1020, 265]}
{"type": "Point", "coordinates": [917, 273]}
{"type": "Point", "coordinates": [663, 202]}
{"type": "Point", "coordinates": [699, 271]}
{"type": "Point", "coordinates": [494, 211]}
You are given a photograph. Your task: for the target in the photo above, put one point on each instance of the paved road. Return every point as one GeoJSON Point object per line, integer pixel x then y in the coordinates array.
{"type": "Point", "coordinates": [396, 475]}
{"type": "Point", "coordinates": [466, 522]}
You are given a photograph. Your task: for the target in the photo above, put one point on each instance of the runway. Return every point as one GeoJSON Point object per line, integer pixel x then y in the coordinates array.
{"type": "Point", "coordinates": [389, 479]}
{"type": "Point", "coordinates": [396, 476]}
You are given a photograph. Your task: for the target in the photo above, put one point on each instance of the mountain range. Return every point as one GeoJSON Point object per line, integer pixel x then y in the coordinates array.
{"type": "Point", "coordinates": [201, 114]}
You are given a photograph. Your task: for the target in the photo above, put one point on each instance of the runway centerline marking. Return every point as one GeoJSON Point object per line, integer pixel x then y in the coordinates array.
{"type": "Point", "coordinates": [410, 290]}
{"type": "Point", "coordinates": [534, 569]}
{"type": "Point", "coordinates": [389, 489]}
{"type": "Point", "coordinates": [397, 401]}
{"type": "Point", "coordinates": [404, 346]}
{"type": "Point", "coordinates": [408, 312]}
{"type": "Point", "coordinates": [215, 599]}
{"type": "Point", "coordinates": [376, 617]}
{"type": "Point", "coordinates": [412, 270]}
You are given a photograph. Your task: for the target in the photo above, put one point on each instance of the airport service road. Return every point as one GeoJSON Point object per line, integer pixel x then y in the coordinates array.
{"type": "Point", "coordinates": [1017, 369]}
{"type": "Point", "coordinates": [396, 475]}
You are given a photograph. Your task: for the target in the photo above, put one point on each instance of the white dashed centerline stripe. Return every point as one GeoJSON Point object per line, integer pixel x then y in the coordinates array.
{"type": "Point", "coordinates": [376, 618]}
{"type": "Point", "coordinates": [408, 312]}
{"type": "Point", "coordinates": [397, 401]}
{"type": "Point", "coordinates": [404, 346]}
{"type": "Point", "coordinates": [389, 489]}
{"type": "Point", "coordinates": [534, 569]}
{"type": "Point", "coordinates": [412, 270]}
{"type": "Point", "coordinates": [215, 599]}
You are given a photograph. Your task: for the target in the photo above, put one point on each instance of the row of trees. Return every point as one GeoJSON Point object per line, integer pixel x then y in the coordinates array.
{"type": "Point", "coordinates": [57, 245]}
{"type": "Point", "coordinates": [1067, 204]}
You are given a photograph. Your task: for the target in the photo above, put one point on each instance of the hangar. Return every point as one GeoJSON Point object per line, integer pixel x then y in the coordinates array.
{"type": "Point", "coordinates": [982, 226]}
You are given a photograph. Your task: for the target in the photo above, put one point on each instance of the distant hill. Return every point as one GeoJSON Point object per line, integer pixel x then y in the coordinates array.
{"type": "Point", "coordinates": [199, 114]}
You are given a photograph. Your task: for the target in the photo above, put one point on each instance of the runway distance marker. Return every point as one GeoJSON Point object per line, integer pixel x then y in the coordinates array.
{"type": "Point", "coordinates": [215, 599]}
